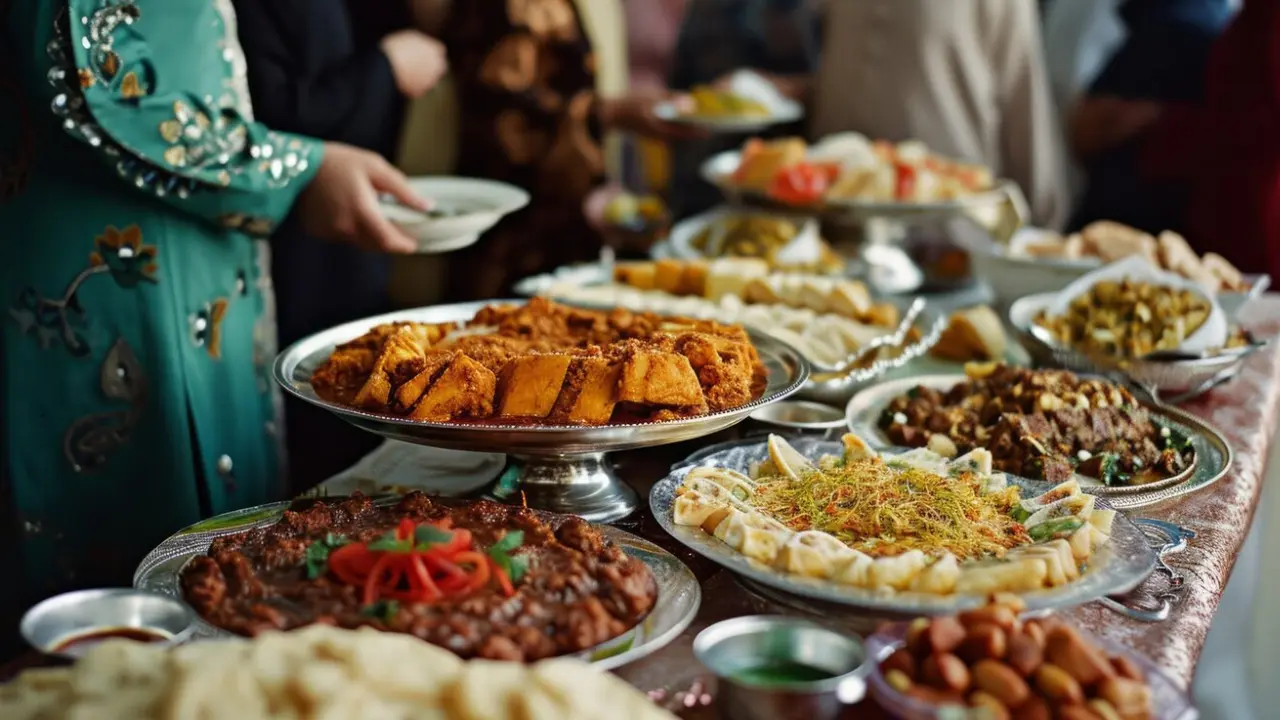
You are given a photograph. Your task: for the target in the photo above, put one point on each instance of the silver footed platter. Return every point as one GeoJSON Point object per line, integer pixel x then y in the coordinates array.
{"type": "Point", "coordinates": [1116, 568]}
{"type": "Point", "coordinates": [1211, 460]}
{"type": "Point", "coordinates": [557, 468]}
{"type": "Point", "coordinates": [679, 595]}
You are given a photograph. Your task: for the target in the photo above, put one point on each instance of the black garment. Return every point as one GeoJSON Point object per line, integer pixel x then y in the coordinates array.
{"type": "Point", "coordinates": [308, 74]}
{"type": "Point", "coordinates": [1163, 59]}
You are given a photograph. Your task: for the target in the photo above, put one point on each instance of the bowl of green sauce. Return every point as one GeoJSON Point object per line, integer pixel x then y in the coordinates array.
{"type": "Point", "coordinates": [776, 668]}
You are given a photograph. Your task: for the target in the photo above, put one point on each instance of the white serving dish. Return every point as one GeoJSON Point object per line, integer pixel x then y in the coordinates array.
{"type": "Point", "coordinates": [480, 204]}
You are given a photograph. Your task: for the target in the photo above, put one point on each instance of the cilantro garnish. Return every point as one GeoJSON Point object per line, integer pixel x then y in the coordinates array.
{"type": "Point", "coordinates": [317, 554]}
{"type": "Point", "coordinates": [427, 535]}
{"type": "Point", "coordinates": [515, 566]}
{"type": "Point", "coordinates": [383, 610]}
{"type": "Point", "coordinates": [388, 542]}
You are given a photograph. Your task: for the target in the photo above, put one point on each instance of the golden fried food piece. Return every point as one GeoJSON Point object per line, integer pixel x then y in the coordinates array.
{"type": "Point", "coordinates": [546, 362]}
{"type": "Point", "coordinates": [464, 389]}
{"type": "Point", "coordinates": [590, 392]}
{"type": "Point", "coordinates": [528, 386]}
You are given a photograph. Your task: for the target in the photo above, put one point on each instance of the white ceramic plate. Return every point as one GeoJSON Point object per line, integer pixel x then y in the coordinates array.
{"type": "Point", "coordinates": [787, 111]}
{"type": "Point", "coordinates": [474, 205]}
{"type": "Point", "coordinates": [680, 239]}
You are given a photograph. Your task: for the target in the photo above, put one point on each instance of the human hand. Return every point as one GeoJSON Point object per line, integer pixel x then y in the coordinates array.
{"type": "Point", "coordinates": [418, 60]}
{"type": "Point", "coordinates": [634, 113]}
{"type": "Point", "coordinates": [1098, 124]}
{"type": "Point", "coordinates": [341, 203]}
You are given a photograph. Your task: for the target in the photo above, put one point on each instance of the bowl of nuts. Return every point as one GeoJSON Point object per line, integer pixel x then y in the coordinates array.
{"type": "Point", "coordinates": [990, 663]}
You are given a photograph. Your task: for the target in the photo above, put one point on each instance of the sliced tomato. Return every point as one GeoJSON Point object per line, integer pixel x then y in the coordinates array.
{"type": "Point", "coordinates": [801, 184]}
{"type": "Point", "coordinates": [906, 185]}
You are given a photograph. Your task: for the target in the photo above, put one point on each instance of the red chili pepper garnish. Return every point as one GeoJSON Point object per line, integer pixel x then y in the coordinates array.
{"type": "Point", "coordinates": [423, 566]}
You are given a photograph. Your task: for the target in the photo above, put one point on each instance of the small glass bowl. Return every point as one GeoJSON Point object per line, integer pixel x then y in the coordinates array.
{"type": "Point", "coordinates": [1168, 701]}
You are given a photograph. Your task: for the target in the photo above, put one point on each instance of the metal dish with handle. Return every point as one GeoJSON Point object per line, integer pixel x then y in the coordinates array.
{"type": "Point", "coordinates": [1171, 378]}
{"type": "Point", "coordinates": [679, 594]}
{"type": "Point", "coordinates": [558, 468]}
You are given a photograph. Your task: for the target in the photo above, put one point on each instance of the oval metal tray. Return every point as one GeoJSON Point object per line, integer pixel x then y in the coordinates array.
{"type": "Point", "coordinates": [679, 594]}
{"type": "Point", "coordinates": [788, 371]}
{"type": "Point", "coordinates": [863, 413]}
{"type": "Point", "coordinates": [1117, 568]}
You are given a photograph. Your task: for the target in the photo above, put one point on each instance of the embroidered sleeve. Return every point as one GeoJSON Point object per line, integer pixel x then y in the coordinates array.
{"type": "Point", "coordinates": [201, 157]}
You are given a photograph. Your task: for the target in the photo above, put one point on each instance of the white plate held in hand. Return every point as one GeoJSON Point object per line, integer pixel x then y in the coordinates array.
{"type": "Point", "coordinates": [462, 209]}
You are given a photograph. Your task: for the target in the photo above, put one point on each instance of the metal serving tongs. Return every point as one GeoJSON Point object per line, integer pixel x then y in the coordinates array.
{"type": "Point", "coordinates": [856, 370]}
{"type": "Point", "coordinates": [1172, 539]}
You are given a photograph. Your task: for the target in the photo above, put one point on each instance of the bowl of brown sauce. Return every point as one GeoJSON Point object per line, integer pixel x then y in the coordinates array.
{"type": "Point", "coordinates": [70, 624]}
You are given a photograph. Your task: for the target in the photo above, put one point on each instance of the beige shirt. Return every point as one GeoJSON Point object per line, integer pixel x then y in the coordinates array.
{"type": "Point", "coordinates": [967, 77]}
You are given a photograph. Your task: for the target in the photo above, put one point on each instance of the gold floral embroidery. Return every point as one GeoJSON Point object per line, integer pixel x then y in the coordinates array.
{"type": "Point", "coordinates": [171, 131]}
{"type": "Point", "coordinates": [125, 255]}
{"type": "Point", "coordinates": [176, 156]}
{"type": "Point", "coordinates": [110, 64]}
{"type": "Point", "coordinates": [86, 78]}
{"type": "Point", "coordinates": [512, 65]}
{"type": "Point", "coordinates": [130, 88]}
{"type": "Point", "coordinates": [217, 312]}
{"type": "Point", "coordinates": [247, 224]}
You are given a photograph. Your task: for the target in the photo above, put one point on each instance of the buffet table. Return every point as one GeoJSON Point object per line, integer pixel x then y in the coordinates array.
{"type": "Point", "coordinates": [1245, 410]}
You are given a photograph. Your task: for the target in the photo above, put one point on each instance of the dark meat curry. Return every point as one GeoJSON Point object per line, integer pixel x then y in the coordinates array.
{"type": "Point", "coordinates": [1043, 424]}
{"type": "Point", "coordinates": [482, 579]}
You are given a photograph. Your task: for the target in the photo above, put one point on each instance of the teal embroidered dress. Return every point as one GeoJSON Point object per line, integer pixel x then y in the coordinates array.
{"type": "Point", "coordinates": [137, 335]}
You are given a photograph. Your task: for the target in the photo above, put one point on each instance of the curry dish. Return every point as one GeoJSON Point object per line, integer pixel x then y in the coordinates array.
{"type": "Point", "coordinates": [481, 579]}
{"type": "Point", "coordinates": [546, 364]}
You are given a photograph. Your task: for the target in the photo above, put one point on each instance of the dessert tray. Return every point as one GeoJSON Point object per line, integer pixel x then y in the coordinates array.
{"type": "Point", "coordinates": [556, 468]}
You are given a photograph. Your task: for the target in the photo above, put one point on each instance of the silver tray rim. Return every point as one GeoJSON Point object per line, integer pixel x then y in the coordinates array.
{"type": "Point", "coordinates": [788, 372]}
{"type": "Point", "coordinates": [679, 592]}
{"type": "Point", "coordinates": [1126, 561]}
{"type": "Point", "coordinates": [1213, 453]}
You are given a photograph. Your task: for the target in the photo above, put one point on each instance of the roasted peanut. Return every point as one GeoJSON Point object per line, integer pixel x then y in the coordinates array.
{"type": "Point", "coordinates": [1065, 648]}
{"type": "Point", "coordinates": [1009, 600]}
{"type": "Point", "coordinates": [1024, 654]}
{"type": "Point", "coordinates": [945, 671]}
{"type": "Point", "coordinates": [1076, 712]}
{"type": "Point", "coordinates": [1054, 683]}
{"type": "Point", "coordinates": [1034, 709]}
{"type": "Point", "coordinates": [1001, 682]}
{"type": "Point", "coordinates": [1130, 698]}
{"type": "Point", "coordinates": [943, 635]}
{"type": "Point", "coordinates": [1127, 668]}
{"type": "Point", "coordinates": [995, 710]}
{"type": "Point", "coordinates": [901, 660]}
{"type": "Point", "coordinates": [1035, 631]}
{"type": "Point", "coordinates": [915, 636]}
{"type": "Point", "coordinates": [1103, 709]}
{"type": "Point", "coordinates": [983, 642]}
{"type": "Point", "coordinates": [997, 615]}
{"type": "Point", "coordinates": [898, 680]}
{"type": "Point", "coordinates": [934, 695]}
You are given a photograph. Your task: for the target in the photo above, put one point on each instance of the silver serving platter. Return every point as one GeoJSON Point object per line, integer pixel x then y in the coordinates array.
{"type": "Point", "coordinates": [1212, 452]}
{"type": "Point", "coordinates": [717, 170]}
{"type": "Point", "coordinates": [561, 468]}
{"type": "Point", "coordinates": [1175, 381]}
{"type": "Point", "coordinates": [679, 594]}
{"type": "Point", "coordinates": [1119, 567]}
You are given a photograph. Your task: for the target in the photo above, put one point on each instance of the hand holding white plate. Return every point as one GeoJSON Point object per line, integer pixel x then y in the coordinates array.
{"type": "Point", "coordinates": [461, 209]}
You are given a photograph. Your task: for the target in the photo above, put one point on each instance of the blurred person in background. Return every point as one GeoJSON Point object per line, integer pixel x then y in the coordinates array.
{"type": "Point", "coordinates": [1222, 154]}
{"type": "Point", "coordinates": [539, 83]}
{"type": "Point", "coordinates": [778, 38]}
{"type": "Point", "coordinates": [1162, 60]}
{"type": "Point", "coordinates": [966, 77]}
{"type": "Point", "coordinates": [653, 27]}
{"type": "Point", "coordinates": [308, 73]}
{"type": "Point", "coordinates": [138, 335]}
